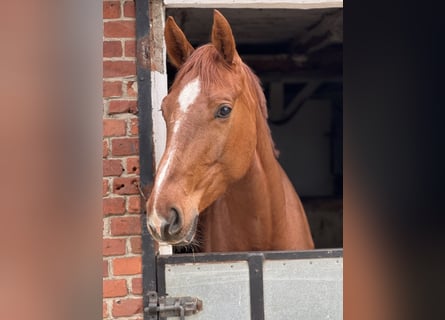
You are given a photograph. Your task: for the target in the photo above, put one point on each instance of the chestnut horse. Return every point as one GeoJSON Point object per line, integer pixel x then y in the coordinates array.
{"type": "Point", "coordinates": [219, 174]}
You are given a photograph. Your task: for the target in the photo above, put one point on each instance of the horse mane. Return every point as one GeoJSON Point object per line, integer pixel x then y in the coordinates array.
{"type": "Point", "coordinates": [207, 63]}
{"type": "Point", "coordinates": [255, 84]}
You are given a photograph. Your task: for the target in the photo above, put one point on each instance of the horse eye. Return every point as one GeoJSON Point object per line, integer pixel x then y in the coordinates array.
{"type": "Point", "coordinates": [223, 111]}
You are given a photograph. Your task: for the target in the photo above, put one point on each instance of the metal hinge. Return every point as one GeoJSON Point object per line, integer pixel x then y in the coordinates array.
{"type": "Point", "coordinates": [164, 306]}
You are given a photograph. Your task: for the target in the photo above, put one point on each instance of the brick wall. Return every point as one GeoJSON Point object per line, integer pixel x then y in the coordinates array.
{"type": "Point", "coordinates": [122, 278]}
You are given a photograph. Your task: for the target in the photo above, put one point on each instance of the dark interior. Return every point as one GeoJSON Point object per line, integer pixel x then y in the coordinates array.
{"type": "Point", "coordinates": [298, 56]}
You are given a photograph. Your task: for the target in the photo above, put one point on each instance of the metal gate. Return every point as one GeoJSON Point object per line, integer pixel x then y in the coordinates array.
{"type": "Point", "coordinates": [251, 285]}
{"type": "Point", "coordinates": [258, 285]}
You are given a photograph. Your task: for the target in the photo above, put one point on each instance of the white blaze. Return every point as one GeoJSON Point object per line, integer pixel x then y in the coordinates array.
{"type": "Point", "coordinates": [186, 98]}
{"type": "Point", "coordinates": [188, 94]}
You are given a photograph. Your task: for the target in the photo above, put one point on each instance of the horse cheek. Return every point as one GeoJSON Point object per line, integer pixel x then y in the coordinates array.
{"type": "Point", "coordinates": [242, 147]}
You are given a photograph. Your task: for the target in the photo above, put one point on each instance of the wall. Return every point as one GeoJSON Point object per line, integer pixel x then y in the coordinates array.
{"type": "Point", "coordinates": [304, 147]}
{"type": "Point", "coordinates": [122, 274]}
{"type": "Point", "coordinates": [305, 154]}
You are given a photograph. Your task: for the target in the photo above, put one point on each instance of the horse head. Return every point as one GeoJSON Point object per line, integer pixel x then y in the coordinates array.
{"type": "Point", "coordinates": [211, 113]}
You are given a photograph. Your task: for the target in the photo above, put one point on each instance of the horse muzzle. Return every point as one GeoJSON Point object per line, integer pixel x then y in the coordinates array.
{"type": "Point", "coordinates": [172, 230]}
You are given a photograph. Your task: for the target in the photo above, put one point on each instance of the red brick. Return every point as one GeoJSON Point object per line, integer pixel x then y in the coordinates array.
{"type": "Point", "coordinates": [136, 285]}
{"type": "Point", "coordinates": [113, 247]}
{"type": "Point", "coordinates": [113, 206]}
{"type": "Point", "coordinates": [112, 89]}
{"type": "Point", "coordinates": [120, 29]}
{"type": "Point", "coordinates": [114, 288]}
{"type": "Point", "coordinates": [105, 268]}
{"type": "Point", "coordinates": [112, 168]}
{"type": "Point", "coordinates": [127, 307]}
{"type": "Point", "coordinates": [127, 266]}
{"type": "Point", "coordinates": [114, 127]}
{"type": "Point", "coordinates": [132, 88]}
{"type": "Point", "coordinates": [104, 310]}
{"type": "Point", "coordinates": [134, 127]}
{"type": "Point", "coordinates": [136, 244]}
{"type": "Point", "coordinates": [126, 185]}
{"type": "Point", "coordinates": [118, 68]}
{"type": "Point", "coordinates": [123, 226]}
{"type": "Point", "coordinates": [105, 187]}
{"type": "Point", "coordinates": [111, 9]}
{"type": "Point", "coordinates": [129, 9]}
{"type": "Point", "coordinates": [112, 49]}
{"type": "Point", "coordinates": [125, 147]}
{"type": "Point", "coordinates": [123, 106]}
{"type": "Point", "coordinates": [105, 149]}
{"type": "Point", "coordinates": [132, 165]}
{"type": "Point", "coordinates": [134, 204]}
{"type": "Point", "coordinates": [130, 48]}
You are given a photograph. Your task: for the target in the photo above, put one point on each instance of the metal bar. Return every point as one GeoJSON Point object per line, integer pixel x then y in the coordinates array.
{"type": "Point", "coordinates": [244, 256]}
{"type": "Point", "coordinates": [144, 95]}
{"type": "Point", "coordinates": [307, 254]}
{"type": "Point", "coordinates": [161, 278]}
{"type": "Point", "coordinates": [145, 144]}
{"type": "Point", "coordinates": [149, 280]}
{"type": "Point", "coordinates": [255, 4]}
{"type": "Point", "coordinates": [255, 262]}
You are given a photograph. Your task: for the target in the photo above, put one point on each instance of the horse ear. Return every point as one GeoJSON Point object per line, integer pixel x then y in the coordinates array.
{"type": "Point", "coordinates": [178, 47]}
{"type": "Point", "coordinates": [222, 37]}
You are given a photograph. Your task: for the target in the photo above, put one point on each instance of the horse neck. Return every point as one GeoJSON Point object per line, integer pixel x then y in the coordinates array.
{"type": "Point", "coordinates": [245, 218]}
{"type": "Point", "coordinates": [262, 186]}
{"type": "Point", "coordinates": [261, 189]}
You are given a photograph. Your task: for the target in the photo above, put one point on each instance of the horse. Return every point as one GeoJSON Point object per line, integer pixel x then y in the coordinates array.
{"type": "Point", "coordinates": [219, 176]}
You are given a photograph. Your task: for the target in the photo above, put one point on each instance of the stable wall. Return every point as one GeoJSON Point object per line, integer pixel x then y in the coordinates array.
{"type": "Point", "coordinates": [122, 263]}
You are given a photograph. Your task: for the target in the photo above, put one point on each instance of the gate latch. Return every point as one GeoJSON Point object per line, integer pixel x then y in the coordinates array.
{"type": "Point", "coordinates": [166, 306]}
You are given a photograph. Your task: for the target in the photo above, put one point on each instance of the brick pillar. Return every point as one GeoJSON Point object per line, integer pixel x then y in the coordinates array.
{"type": "Point", "coordinates": [122, 270]}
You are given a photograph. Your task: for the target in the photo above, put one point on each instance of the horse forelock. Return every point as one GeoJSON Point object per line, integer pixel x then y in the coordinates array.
{"type": "Point", "coordinates": [205, 63]}
{"type": "Point", "coordinates": [208, 64]}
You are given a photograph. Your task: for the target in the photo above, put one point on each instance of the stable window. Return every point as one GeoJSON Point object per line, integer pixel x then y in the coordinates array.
{"type": "Point", "coordinates": [295, 47]}
{"type": "Point", "coordinates": [297, 53]}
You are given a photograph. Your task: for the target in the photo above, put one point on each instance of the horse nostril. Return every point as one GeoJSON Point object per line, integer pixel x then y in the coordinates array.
{"type": "Point", "coordinates": [172, 226]}
{"type": "Point", "coordinates": [174, 222]}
